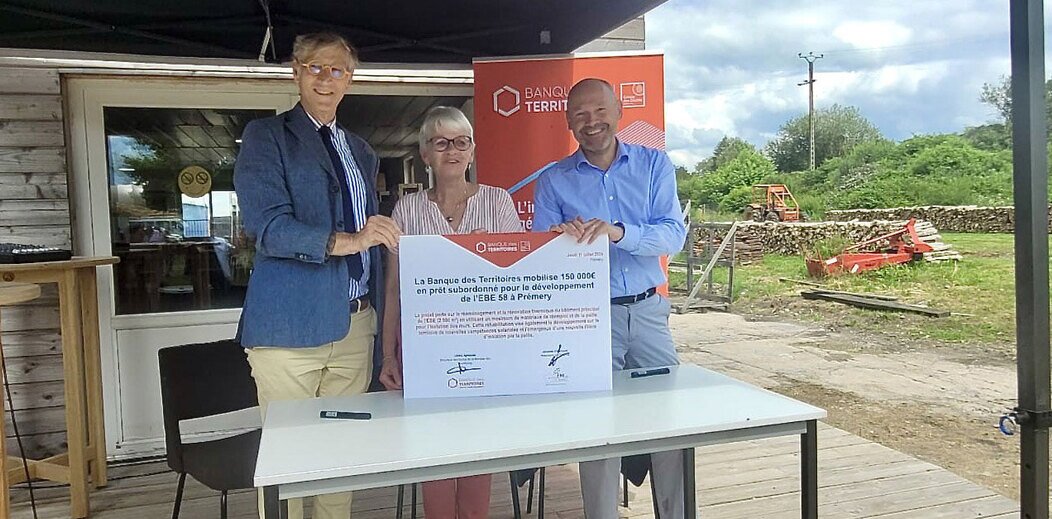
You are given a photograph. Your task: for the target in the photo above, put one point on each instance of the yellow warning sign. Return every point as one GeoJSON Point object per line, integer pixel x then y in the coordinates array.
{"type": "Point", "coordinates": [195, 181]}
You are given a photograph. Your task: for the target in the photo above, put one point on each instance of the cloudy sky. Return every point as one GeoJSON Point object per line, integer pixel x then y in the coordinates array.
{"type": "Point", "coordinates": [911, 67]}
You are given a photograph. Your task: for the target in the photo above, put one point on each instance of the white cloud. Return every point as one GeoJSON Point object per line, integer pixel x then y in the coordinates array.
{"type": "Point", "coordinates": [872, 34]}
{"type": "Point", "coordinates": [911, 67]}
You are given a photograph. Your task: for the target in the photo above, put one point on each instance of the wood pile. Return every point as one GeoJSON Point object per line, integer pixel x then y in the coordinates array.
{"type": "Point", "coordinates": [706, 238]}
{"type": "Point", "coordinates": [967, 218]}
{"type": "Point", "coordinates": [754, 239]}
{"type": "Point", "coordinates": [930, 235]}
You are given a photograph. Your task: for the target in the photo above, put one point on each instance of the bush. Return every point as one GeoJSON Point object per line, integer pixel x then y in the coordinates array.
{"type": "Point", "coordinates": [736, 201]}
{"type": "Point", "coordinates": [748, 168]}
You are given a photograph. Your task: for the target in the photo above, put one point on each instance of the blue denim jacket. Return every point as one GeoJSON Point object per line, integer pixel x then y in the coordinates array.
{"type": "Point", "coordinates": [289, 198]}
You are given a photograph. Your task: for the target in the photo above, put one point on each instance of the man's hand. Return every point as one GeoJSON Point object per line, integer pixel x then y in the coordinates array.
{"type": "Point", "coordinates": [590, 230]}
{"type": "Point", "coordinates": [378, 230]}
{"type": "Point", "coordinates": [391, 373]}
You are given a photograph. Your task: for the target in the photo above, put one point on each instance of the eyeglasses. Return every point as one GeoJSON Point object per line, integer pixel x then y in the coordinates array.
{"type": "Point", "coordinates": [316, 69]}
{"type": "Point", "coordinates": [461, 143]}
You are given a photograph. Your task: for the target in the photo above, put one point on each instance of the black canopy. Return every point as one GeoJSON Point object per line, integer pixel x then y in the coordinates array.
{"type": "Point", "coordinates": [409, 31]}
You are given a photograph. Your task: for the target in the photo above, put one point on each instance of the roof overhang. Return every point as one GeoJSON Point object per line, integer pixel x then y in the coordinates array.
{"type": "Point", "coordinates": [407, 31]}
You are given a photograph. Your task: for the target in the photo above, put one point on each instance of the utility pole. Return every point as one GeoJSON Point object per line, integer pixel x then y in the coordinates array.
{"type": "Point", "coordinates": [810, 58]}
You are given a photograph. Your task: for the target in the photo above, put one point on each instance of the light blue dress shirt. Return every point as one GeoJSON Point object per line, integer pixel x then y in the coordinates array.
{"type": "Point", "coordinates": [638, 191]}
{"type": "Point", "coordinates": [358, 194]}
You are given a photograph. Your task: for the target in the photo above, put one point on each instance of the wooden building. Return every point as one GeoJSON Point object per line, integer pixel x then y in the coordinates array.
{"type": "Point", "coordinates": [90, 145]}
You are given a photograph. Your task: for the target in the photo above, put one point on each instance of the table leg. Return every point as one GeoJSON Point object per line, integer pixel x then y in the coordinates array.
{"type": "Point", "coordinates": [73, 369]}
{"type": "Point", "coordinates": [274, 508]}
{"type": "Point", "coordinates": [540, 496]}
{"type": "Point", "coordinates": [5, 493]}
{"type": "Point", "coordinates": [809, 471]}
{"type": "Point", "coordinates": [690, 505]}
{"type": "Point", "coordinates": [89, 311]}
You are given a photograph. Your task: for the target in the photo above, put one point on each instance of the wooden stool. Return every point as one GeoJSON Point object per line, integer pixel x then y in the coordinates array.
{"type": "Point", "coordinates": [85, 462]}
{"type": "Point", "coordinates": [10, 294]}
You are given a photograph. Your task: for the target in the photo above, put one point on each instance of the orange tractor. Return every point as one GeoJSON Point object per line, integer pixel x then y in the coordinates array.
{"type": "Point", "coordinates": [772, 203]}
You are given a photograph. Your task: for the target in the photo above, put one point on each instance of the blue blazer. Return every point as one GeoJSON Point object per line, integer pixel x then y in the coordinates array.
{"type": "Point", "coordinates": [289, 197]}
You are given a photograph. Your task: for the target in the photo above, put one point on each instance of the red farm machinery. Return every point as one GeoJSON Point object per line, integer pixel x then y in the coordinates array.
{"type": "Point", "coordinates": [894, 248]}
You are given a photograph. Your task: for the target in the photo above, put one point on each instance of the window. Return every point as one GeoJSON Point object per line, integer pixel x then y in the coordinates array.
{"type": "Point", "coordinates": [174, 219]}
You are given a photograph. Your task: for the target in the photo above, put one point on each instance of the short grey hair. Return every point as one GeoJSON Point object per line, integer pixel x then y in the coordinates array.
{"type": "Point", "coordinates": [306, 45]}
{"type": "Point", "coordinates": [445, 117]}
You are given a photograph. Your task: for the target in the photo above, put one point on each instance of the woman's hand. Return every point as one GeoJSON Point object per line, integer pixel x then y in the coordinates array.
{"type": "Point", "coordinates": [480, 230]}
{"type": "Point", "coordinates": [391, 373]}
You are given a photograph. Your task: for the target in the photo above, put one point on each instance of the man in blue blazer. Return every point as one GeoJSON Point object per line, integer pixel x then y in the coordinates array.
{"type": "Point", "coordinates": [306, 191]}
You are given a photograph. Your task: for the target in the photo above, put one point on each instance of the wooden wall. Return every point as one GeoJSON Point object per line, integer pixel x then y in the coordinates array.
{"type": "Point", "coordinates": [34, 208]}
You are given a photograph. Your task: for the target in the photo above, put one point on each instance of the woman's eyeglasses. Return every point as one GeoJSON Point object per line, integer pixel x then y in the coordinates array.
{"type": "Point", "coordinates": [316, 69]}
{"type": "Point", "coordinates": [461, 143]}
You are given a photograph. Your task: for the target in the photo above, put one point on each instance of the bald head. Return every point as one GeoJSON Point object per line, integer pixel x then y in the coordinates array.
{"type": "Point", "coordinates": [590, 86]}
{"type": "Point", "coordinates": [592, 114]}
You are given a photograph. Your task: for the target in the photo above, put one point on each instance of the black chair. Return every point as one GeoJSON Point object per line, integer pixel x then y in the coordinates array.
{"type": "Point", "coordinates": [633, 468]}
{"type": "Point", "coordinates": [199, 380]}
{"type": "Point", "coordinates": [519, 478]}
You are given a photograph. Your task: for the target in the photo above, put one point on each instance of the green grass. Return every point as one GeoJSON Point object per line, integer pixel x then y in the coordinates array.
{"type": "Point", "coordinates": [981, 289]}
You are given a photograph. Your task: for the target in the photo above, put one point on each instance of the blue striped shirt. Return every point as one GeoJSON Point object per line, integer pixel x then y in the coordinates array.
{"type": "Point", "coordinates": [358, 195]}
{"type": "Point", "coordinates": [637, 191]}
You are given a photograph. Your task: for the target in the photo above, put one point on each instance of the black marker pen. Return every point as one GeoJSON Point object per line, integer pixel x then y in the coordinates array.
{"type": "Point", "coordinates": [650, 372]}
{"type": "Point", "coordinates": [345, 415]}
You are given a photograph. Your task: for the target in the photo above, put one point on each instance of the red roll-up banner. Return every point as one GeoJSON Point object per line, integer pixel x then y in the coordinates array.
{"type": "Point", "coordinates": [520, 113]}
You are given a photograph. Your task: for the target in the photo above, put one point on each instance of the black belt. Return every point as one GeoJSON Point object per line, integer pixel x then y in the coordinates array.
{"type": "Point", "coordinates": [359, 304]}
{"type": "Point", "coordinates": [627, 300]}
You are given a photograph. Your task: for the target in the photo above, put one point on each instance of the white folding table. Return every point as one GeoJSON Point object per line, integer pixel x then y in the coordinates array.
{"type": "Point", "coordinates": [409, 441]}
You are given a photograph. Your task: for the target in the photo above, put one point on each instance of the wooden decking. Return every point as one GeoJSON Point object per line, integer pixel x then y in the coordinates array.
{"type": "Point", "coordinates": [759, 479]}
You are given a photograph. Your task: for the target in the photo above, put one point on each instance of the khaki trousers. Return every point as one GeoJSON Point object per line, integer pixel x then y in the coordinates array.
{"type": "Point", "coordinates": [343, 367]}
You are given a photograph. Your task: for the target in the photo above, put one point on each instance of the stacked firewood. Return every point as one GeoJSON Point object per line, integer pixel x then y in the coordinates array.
{"type": "Point", "coordinates": [706, 239]}
{"type": "Point", "coordinates": [754, 239]}
{"type": "Point", "coordinates": [967, 218]}
{"type": "Point", "coordinates": [930, 235]}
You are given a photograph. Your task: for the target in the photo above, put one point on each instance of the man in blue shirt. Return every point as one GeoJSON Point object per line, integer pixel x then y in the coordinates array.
{"type": "Point", "coordinates": [628, 193]}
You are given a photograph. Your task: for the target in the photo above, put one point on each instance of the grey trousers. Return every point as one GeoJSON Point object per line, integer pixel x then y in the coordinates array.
{"type": "Point", "coordinates": [641, 339]}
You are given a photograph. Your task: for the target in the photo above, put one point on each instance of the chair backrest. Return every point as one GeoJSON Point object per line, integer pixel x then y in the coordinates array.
{"type": "Point", "coordinates": [200, 380]}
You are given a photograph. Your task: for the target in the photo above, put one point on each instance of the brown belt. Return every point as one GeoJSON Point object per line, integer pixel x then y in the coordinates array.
{"type": "Point", "coordinates": [357, 305]}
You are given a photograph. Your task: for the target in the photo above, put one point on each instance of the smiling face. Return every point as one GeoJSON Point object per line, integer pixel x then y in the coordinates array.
{"type": "Point", "coordinates": [453, 162]}
{"type": "Point", "coordinates": [592, 114]}
{"type": "Point", "coordinates": [321, 94]}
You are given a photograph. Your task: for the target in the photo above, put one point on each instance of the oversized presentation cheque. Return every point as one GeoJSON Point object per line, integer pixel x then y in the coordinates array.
{"type": "Point", "coordinates": [504, 314]}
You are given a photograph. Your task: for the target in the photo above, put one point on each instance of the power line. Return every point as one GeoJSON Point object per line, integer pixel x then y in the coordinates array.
{"type": "Point", "coordinates": [918, 45]}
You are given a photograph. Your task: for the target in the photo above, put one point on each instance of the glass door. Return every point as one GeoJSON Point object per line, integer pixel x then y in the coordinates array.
{"type": "Point", "coordinates": [153, 182]}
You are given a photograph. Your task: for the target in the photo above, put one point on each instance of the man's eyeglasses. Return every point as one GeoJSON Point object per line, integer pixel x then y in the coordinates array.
{"type": "Point", "coordinates": [316, 69]}
{"type": "Point", "coordinates": [461, 143]}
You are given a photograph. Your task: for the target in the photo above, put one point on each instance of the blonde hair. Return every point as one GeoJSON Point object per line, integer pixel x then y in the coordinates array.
{"type": "Point", "coordinates": [307, 44]}
{"type": "Point", "coordinates": [446, 117]}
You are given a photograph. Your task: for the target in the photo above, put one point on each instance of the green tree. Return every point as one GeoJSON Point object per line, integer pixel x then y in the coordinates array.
{"type": "Point", "coordinates": [735, 201]}
{"type": "Point", "coordinates": [725, 151]}
{"type": "Point", "coordinates": [838, 129]}
{"type": "Point", "coordinates": [748, 168]}
{"type": "Point", "coordinates": [999, 96]}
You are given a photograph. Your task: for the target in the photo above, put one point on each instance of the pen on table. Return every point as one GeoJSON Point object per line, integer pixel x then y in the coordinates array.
{"type": "Point", "coordinates": [650, 372]}
{"type": "Point", "coordinates": [345, 415]}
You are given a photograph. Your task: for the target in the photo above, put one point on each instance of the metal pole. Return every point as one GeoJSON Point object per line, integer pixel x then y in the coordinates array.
{"type": "Point", "coordinates": [811, 111]}
{"type": "Point", "coordinates": [810, 58]}
{"type": "Point", "coordinates": [1030, 172]}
